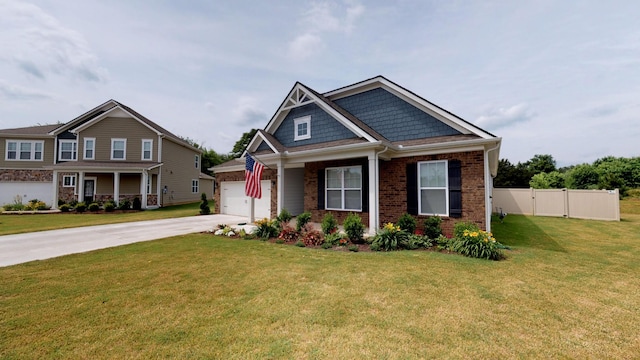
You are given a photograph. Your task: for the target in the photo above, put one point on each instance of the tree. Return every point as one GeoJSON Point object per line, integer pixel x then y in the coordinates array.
{"type": "Point", "coordinates": [552, 180]}
{"type": "Point", "coordinates": [541, 164]}
{"type": "Point", "coordinates": [583, 176]}
{"type": "Point", "coordinates": [242, 144]}
{"type": "Point", "coordinates": [512, 176]}
{"type": "Point", "coordinates": [210, 158]}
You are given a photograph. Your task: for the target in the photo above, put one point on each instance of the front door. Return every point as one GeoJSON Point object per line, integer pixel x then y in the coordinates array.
{"type": "Point", "coordinates": [89, 190]}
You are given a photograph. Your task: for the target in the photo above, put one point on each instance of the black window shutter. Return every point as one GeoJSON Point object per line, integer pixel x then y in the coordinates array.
{"type": "Point", "coordinates": [365, 187]}
{"type": "Point", "coordinates": [455, 189]}
{"type": "Point", "coordinates": [321, 189]}
{"type": "Point", "coordinates": [412, 189]}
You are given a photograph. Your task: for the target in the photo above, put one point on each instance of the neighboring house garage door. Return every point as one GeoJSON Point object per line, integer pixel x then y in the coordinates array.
{"type": "Point", "coordinates": [42, 191]}
{"type": "Point", "coordinates": [233, 201]}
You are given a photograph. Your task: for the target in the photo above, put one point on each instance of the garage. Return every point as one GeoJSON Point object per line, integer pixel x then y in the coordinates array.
{"type": "Point", "coordinates": [233, 201]}
{"type": "Point", "coordinates": [42, 191]}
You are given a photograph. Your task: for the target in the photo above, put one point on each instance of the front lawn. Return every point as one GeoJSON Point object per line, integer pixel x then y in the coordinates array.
{"type": "Point", "coordinates": [568, 289]}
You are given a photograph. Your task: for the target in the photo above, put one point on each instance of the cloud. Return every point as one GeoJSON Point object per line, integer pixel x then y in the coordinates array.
{"type": "Point", "coordinates": [504, 117]}
{"type": "Point", "coordinates": [247, 113]}
{"type": "Point", "coordinates": [319, 20]}
{"type": "Point", "coordinates": [42, 46]}
{"type": "Point", "coordinates": [15, 92]}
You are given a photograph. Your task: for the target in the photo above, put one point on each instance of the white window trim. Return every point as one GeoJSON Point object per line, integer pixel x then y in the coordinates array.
{"type": "Point", "coordinates": [296, 123]}
{"type": "Point", "coordinates": [93, 150]}
{"type": "Point", "coordinates": [72, 181]}
{"type": "Point", "coordinates": [32, 156]}
{"type": "Point", "coordinates": [124, 155]}
{"type": "Point", "coordinates": [74, 151]}
{"type": "Point", "coordinates": [343, 189]}
{"type": "Point", "coordinates": [445, 188]}
{"type": "Point", "coordinates": [150, 141]}
{"type": "Point", "coordinates": [197, 161]}
{"type": "Point", "coordinates": [195, 185]}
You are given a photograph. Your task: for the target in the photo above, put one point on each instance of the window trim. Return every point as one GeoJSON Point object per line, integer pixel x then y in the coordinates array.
{"type": "Point", "coordinates": [299, 121]}
{"type": "Point", "coordinates": [124, 151]}
{"type": "Point", "coordinates": [342, 188]}
{"type": "Point", "coordinates": [195, 186]}
{"type": "Point", "coordinates": [445, 188]}
{"type": "Point", "coordinates": [197, 161]}
{"type": "Point", "coordinates": [144, 141]}
{"type": "Point", "coordinates": [32, 151]}
{"type": "Point", "coordinates": [74, 151]}
{"type": "Point", "coordinates": [72, 182]}
{"type": "Point", "coordinates": [93, 149]}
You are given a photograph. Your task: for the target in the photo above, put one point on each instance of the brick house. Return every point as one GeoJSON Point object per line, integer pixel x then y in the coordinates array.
{"type": "Point", "coordinates": [373, 148]}
{"type": "Point", "coordinates": [110, 152]}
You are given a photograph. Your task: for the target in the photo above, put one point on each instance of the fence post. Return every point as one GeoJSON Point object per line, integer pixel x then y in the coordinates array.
{"type": "Point", "coordinates": [566, 203]}
{"type": "Point", "coordinates": [533, 201]}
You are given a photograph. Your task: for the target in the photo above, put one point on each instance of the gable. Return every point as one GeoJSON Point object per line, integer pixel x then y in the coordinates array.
{"type": "Point", "coordinates": [394, 118]}
{"type": "Point", "coordinates": [324, 127]}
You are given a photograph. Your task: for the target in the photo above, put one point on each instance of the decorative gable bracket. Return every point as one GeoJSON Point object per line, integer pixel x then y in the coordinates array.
{"type": "Point", "coordinates": [297, 98]}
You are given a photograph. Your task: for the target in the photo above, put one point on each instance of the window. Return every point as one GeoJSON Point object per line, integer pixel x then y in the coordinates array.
{"type": "Point", "coordinates": [89, 148]}
{"type": "Point", "coordinates": [195, 185]}
{"type": "Point", "coordinates": [68, 150]}
{"type": "Point", "coordinates": [19, 150]}
{"type": "Point", "coordinates": [149, 184]}
{"type": "Point", "coordinates": [197, 161]}
{"type": "Point", "coordinates": [118, 149]}
{"type": "Point", "coordinates": [147, 147]}
{"type": "Point", "coordinates": [344, 188]}
{"type": "Point", "coordinates": [433, 187]}
{"type": "Point", "coordinates": [302, 128]}
{"type": "Point", "coordinates": [69, 181]}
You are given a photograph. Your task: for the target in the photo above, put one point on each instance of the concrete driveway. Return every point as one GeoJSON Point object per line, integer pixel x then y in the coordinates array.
{"type": "Point", "coordinates": [20, 248]}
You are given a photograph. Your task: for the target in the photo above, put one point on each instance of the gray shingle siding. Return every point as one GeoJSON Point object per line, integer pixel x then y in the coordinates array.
{"type": "Point", "coordinates": [263, 146]}
{"type": "Point", "coordinates": [392, 117]}
{"type": "Point", "coordinates": [324, 128]}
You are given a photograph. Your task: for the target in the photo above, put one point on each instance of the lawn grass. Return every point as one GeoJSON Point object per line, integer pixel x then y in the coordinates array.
{"type": "Point", "coordinates": [15, 224]}
{"type": "Point", "coordinates": [568, 289]}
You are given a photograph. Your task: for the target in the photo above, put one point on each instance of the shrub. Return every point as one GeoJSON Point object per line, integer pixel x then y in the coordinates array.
{"type": "Point", "coordinates": [326, 245]}
{"type": "Point", "coordinates": [432, 228]}
{"type": "Point", "coordinates": [204, 205]}
{"type": "Point", "coordinates": [109, 206]}
{"type": "Point", "coordinates": [354, 228]}
{"type": "Point", "coordinates": [312, 238]}
{"type": "Point", "coordinates": [302, 220]}
{"type": "Point", "coordinates": [389, 238]}
{"type": "Point", "coordinates": [353, 248]}
{"type": "Point", "coordinates": [125, 205]}
{"type": "Point", "coordinates": [334, 239]}
{"type": "Point", "coordinates": [266, 228]}
{"type": "Point", "coordinates": [73, 203]}
{"type": "Point", "coordinates": [288, 234]}
{"type": "Point", "coordinates": [477, 244]}
{"type": "Point", "coordinates": [81, 207]}
{"type": "Point", "coordinates": [93, 207]}
{"type": "Point", "coordinates": [460, 227]}
{"type": "Point", "coordinates": [299, 243]}
{"type": "Point", "coordinates": [65, 208]}
{"type": "Point", "coordinates": [61, 202]}
{"type": "Point", "coordinates": [415, 241]}
{"type": "Point", "coordinates": [137, 204]}
{"type": "Point", "coordinates": [284, 217]}
{"type": "Point", "coordinates": [407, 223]}
{"type": "Point", "coordinates": [329, 224]}
{"type": "Point", "coordinates": [36, 204]}
{"type": "Point", "coordinates": [443, 242]}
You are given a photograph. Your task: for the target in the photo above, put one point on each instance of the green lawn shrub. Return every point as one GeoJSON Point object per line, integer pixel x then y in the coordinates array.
{"type": "Point", "coordinates": [109, 206]}
{"type": "Point", "coordinates": [137, 204]}
{"type": "Point", "coordinates": [432, 227]}
{"type": "Point", "coordinates": [204, 205]}
{"type": "Point", "coordinates": [302, 220]}
{"type": "Point", "coordinates": [93, 207]}
{"type": "Point", "coordinates": [470, 241]}
{"type": "Point", "coordinates": [266, 228]}
{"type": "Point", "coordinates": [354, 228]}
{"type": "Point", "coordinates": [407, 223]}
{"type": "Point", "coordinates": [81, 207]}
{"type": "Point", "coordinates": [329, 224]}
{"type": "Point", "coordinates": [64, 208]}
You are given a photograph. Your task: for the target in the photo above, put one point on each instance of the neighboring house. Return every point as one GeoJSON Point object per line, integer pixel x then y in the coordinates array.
{"type": "Point", "coordinates": [108, 153]}
{"type": "Point", "coordinates": [373, 148]}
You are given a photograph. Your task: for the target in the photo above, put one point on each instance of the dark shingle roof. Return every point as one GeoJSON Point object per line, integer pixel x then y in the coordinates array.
{"type": "Point", "coordinates": [31, 130]}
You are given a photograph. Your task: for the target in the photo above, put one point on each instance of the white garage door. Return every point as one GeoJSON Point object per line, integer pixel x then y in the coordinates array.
{"type": "Point", "coordinates": [42, 191]}
{"type": "Point", "coordinates": [233, 201]}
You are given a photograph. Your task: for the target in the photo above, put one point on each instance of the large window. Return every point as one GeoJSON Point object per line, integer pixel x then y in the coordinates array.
{"type": "Point", "coordinates": [147, 147]}
{"type": "Point", "coordinates": [21, 150]}
{"type": "Point", "coordinates": [433, 187]}
{"type": "Point", "coordinates": [302, 128]}
{"type": "Point", "coordinates": [68, 150]}
{"type": "Point", "coordinates": [344, 188]}
{"type": "Point", "coordinates": [89, 148]}
{"type": "Point", "coordinates": [118, 149]}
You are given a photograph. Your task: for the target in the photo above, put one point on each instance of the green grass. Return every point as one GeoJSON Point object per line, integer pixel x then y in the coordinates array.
{"type": "Point", "coordinates": [14, 224]}
{"type": "Point", "coordinates": [568, 289]}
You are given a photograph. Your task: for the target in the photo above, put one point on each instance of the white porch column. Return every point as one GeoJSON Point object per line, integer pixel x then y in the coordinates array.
{"type": "Point", "coordinates": [116, 188]}
{"type": "Point", "coordinates": [280, 187]}
{"type": "Point", "coordinates": [374, 215]}
{"type": "Point", "coordinates": [143, 188]}
{"type": "Point", "coordinates": [54, 202]}
{"type": "Point", "coordinates": [80, 186]}
{"type": "Point", "coordinates": [252, 215]}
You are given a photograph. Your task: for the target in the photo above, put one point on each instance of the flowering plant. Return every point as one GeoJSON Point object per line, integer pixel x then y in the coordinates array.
{"type": "Point", "coordinates": [390, 237]}
{"type": "Point", "coordinates": [266, 228]}
{"type": "Point", "coordinates": [477, 243]}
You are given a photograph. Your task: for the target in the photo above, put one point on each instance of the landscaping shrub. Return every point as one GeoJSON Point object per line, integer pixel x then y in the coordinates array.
{"type": "Point", "coordinates": [300, 244]}
{"type": "Point", "coordinates": [125, 205]}
{"type": "Point", "coordinates": [64, 208]}
{"type": "Point", "coordinates": [353, 248]}
{"type": "Point", "coordinates": [415, 241]}
{"type": "Point", "coordinates": [109, 206]}
{"type": "Point", "coordinates": [93, 207]}
{"type": "Point", "coordinates": [461, 226]}
{"type": "Point", "coordinates": [137, 204]}
{"type": "Point", "coordinates": [432, 228]}
{"type": "Point", "coordinates": [312, 238]}
{"type": "Point", "coordinates": [288, 233]}
{"type": "Point", "coordinates": [61, 202]}
{"type": "Point", "coordinates": [284, 217]}
{"type": "Point", "coordinates": [354, 228]}
{"type": "Point", "coordinates": [326, 245]}
{"type": "Point", "coordinates": [81, 207]}
{"type": "Point", "coordinates": [73, 203]}
{"type": "Point", "coordinates": [204, 205]}
{"type": "Point", "coordinates": [470, 241]}
{"type": "Point", "coordinates": [266, 228]}
{"type": "Point", "coordinates": [302, 220]}
{"type": "Point", "coordinates": [389, 238]}
{"type": "Point", "coordinates": [407, 223]}
{"type": "Point", "coordinates": [334, 239]}
{"type": "Point", "coordinates": [329, 224]}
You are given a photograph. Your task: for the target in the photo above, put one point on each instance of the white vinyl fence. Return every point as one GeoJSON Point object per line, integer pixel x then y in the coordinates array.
{"type": "Point", "coordinates": [581, 204]}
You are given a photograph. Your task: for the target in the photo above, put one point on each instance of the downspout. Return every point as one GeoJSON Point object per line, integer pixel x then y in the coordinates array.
{"type": "Point", "coordinates": [488, 194]}
{"type": "Point", "coordinates": [377, 189]}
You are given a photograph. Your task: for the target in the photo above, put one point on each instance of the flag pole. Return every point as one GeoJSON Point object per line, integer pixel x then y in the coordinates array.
{"type": "Point", "coordinates": [258, 160]}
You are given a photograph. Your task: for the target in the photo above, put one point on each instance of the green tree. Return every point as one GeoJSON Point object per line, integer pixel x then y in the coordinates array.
{"type": "Point", "coordinates": [242, 144]}
{"type": "Point", "coordinates": [552, 180]}
{"type": "Point", "coordinates": [583, 176]}
{"type": "Point", "coordinates": [512, 176]}
{"type": "Point", "coordinates": [210, 158]}
{"type": "Point", "coordinates": [541, 164]}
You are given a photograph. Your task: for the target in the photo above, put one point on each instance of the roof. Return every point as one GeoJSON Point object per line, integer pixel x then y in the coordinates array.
{"type": "Point", "coordinates": [31, 130]}
{"type": "Point", "coordinates": [105, 165]}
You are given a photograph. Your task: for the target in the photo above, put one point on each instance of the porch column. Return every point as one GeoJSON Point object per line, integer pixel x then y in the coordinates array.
{"type": "Point", "coordinates": [54, 202]}
{"type": "Point", "coordinates": [80, 186]}
{"type": "Point", "coordinates": [143, 187]}
{"type": "Point", "coordinates": [373, 194]}
{"type": "Point", "coordinates": [280, 187]}
{"type": "Point", "coordinates": [116, 188]}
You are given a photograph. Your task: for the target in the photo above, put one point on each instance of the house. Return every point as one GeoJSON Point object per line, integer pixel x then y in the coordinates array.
{"type": "Point", "coordinates": [109, 152]}
{"type": "Point", "coordinates": [373, 148]}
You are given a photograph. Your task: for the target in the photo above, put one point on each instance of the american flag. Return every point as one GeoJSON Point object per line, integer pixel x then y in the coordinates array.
{"type": "Point", "coordinates": [252, 175]}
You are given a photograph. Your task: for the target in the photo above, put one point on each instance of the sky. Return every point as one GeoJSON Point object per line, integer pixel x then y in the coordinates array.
{"type": "Point", "coordinates": [548, 77]}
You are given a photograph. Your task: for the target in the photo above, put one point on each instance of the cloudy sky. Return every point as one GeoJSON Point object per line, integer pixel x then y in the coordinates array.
{"type": "Point", "coordinates": [549, 77]}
